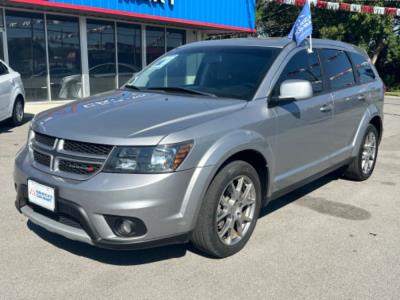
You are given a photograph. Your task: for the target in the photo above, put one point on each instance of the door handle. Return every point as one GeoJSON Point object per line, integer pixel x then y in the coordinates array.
{"type": "Point", "coordinates": [326, 108]}
{"type": "Point", "coordinates": [361, 97]}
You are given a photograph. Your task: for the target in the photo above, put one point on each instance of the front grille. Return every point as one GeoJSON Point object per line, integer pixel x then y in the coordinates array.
{"type": "Point", "coordinates": [42, 159]}
{"type": "Point", "coordinates": [67, 158]}
{"type": "Point", "coordinates": [77, 167]}
{"type": "Point", "coordinates": [87, 148]}
{"type": "Point", "coordinates": [45, 139]}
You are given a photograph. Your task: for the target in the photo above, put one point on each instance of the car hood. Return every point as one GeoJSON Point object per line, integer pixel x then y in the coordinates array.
{"type": "Point", "coordinates": [130, 118]}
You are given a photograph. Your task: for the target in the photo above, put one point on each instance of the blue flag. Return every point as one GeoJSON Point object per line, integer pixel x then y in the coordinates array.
{"type": "Point", "coordinates": [303, 26]}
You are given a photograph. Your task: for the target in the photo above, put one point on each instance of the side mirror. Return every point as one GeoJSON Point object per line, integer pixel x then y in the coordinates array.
{"type": "Point", "coordinates": [295, 89]}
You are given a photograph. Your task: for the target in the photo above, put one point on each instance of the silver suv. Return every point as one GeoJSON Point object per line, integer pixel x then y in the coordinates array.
{"type": "Point", "coordinates": [199, 141]}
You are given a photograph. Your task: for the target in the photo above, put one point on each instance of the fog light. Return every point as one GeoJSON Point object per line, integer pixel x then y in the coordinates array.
{"type": "Point", "coordinates": [125, 227]}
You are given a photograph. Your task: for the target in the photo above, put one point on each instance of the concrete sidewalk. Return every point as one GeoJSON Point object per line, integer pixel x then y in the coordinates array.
{"type": "Point", "coordinates": [37, 107]}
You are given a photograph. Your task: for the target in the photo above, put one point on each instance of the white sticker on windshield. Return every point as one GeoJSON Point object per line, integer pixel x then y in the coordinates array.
{"type": "Point", "coordinates": [163, 61]}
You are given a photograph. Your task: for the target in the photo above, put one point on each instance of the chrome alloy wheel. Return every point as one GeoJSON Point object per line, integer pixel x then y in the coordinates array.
{"type": "Point", "coordinates": [235, 211]}
{"type": "Point", "coordinates": [368, 153]}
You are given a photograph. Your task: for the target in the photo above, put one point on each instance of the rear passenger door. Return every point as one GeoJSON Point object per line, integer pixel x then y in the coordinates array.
{"type": "Point", "coordinates": [349, 97]}
{"type": "Point", "coordinates": [303, 140]}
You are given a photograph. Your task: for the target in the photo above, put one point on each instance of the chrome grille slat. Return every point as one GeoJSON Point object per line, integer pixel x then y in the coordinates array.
{"type": "Point", "coordinates": [77, 160]}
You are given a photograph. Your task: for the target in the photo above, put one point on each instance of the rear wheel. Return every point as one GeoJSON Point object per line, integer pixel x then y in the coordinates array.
{"type": "Point", "coordinates": [18, 112]}
{"type": "Point", "coordinates": [230, 211]}
{"type": "Point", "coordinates": [363, 165]}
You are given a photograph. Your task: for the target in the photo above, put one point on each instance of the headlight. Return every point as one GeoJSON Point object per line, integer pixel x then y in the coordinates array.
{"type": "Point", "coordinates": [159, 159]}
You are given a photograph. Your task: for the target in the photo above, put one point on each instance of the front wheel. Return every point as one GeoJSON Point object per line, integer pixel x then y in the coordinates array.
{"type": "Point", "coordinates": [18, 112]}
{"type": "Point", "coordinates": [363, 165]}
{"type": "Point", "coordinates": [230, 211]}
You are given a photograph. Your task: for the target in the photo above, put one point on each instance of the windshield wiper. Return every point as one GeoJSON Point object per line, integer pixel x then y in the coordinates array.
{"type": "Point", "coordinates": [181, 90]}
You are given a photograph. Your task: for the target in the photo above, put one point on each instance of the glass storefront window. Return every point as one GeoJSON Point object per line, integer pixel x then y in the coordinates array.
{"type": "Point", "coordinates": [1, 35]}
{"type": "Point", "coordinates": [155, 43]}
{"type": "Point", "coordinates": [175, 38]}
{"type": "Point", "coordinates": [101, 55]}
{"type": "Point", "coordinates": [64, 57]}
{"type": "Point", "coordinates": [27, 51]}
{"type": "Point", "coordinates": [129, 51]}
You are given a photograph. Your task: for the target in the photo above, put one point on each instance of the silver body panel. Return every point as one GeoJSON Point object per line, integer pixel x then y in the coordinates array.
{"type": "Point", "coordinates": [298, 140]}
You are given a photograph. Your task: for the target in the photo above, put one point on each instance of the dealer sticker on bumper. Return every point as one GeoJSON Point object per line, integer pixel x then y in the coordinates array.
{"type": "Point", "coordinates": [41, 195]}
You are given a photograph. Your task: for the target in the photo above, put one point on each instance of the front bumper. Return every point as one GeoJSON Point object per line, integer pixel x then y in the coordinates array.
{"type": "Point", "coordinates": [167, 204]}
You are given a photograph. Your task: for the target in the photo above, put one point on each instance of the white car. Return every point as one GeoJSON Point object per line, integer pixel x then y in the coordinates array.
{"type": "Point", "coordinates": [12, 95]}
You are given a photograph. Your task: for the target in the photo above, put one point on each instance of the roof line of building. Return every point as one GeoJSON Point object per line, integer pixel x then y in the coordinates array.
{"type": "Point", "coordinates": [84, 8]}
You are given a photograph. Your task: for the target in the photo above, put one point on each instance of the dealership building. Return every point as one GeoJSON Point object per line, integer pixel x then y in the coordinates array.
{"type": "Point", "coordinates": [69, 49]}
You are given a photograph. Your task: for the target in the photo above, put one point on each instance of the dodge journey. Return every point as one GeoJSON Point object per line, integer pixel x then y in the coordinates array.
{"type": "Point", "coordinates": [194, 145]}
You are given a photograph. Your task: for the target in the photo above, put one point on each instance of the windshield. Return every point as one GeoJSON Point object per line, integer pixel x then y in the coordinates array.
{"type": "Point", "coordinates": [221, 71]}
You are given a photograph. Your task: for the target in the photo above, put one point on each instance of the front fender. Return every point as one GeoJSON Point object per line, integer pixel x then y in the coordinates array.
{"type": "Point", "coordinates": [212, 160]}
{"type": "Point", "coordinates": [233, 143]}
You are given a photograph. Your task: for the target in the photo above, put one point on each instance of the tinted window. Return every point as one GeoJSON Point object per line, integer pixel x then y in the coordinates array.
{"type": "Point", "coordinates": [175, 38]}
{"type": "Point", "coordinates": [233, 72]}
{"type": "Point", "coordinates": [129, 51]}
{"type": "Point", "coordinates": [64, 57]}
{"type": "Point", "coordinates": [101, 52]}
{"type": "Point", "coordinates": [3, 69]}
{"type": "Point", "coordinates": [26, 43]}
{"type": "Point", "coordinates": [126, 70]}
{"type": "Point", "coordinates": [155, 43]}
{"type": "Point", "coordinates": [338, 68]}
{"type": "Point", "coordinates": [1, 34]}
{"type": "Point", "coordinates": [362, 67]}
{"type": "Point", "coordinates": [305, 66]}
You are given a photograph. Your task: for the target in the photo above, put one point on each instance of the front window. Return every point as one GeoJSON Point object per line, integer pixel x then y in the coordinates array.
{"type": "Point", "coordinates": [229, 72]}
{"type": "Point", "coordinates": [303, 66]}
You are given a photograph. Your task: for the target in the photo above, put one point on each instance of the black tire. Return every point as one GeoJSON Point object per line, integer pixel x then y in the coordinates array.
{"type": "Point", "coordinates": [205, 236]}
{"type": "Point", "coordinates": [354, 170]}
{"type": "Point", "coordinates": [17, 119]}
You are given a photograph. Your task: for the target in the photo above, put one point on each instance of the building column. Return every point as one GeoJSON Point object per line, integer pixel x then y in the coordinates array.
{"type": "Point", "coordinates": [5, 44]}
{"type": "Point", "coordinates": [48, 82]}
{"type": "Point", "coordinates": [143, 36]}
{"type": "Point", "coordinates": [84, 57]}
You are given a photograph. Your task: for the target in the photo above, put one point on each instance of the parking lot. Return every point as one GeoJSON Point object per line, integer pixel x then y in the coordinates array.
{"type": "Point", "coordinates": [333, 239]}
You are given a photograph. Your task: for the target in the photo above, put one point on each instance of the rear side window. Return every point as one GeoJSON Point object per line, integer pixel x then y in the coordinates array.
{"type": "Point", "coordinates": [338, 69]}
{"type": "Point", "coordinates": [3, 69]}
{"type": "Point", "coordinates": [303, 66]}
{"type": "Point", "coordinates": [363, 68]}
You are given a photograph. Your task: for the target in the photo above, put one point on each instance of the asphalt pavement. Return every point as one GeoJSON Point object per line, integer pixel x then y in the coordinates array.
{"type": "Point", "coordinates": [333, 239]}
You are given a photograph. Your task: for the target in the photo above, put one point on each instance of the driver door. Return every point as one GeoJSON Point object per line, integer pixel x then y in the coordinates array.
{"type": "Point", "coordinates": [304, 128]}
